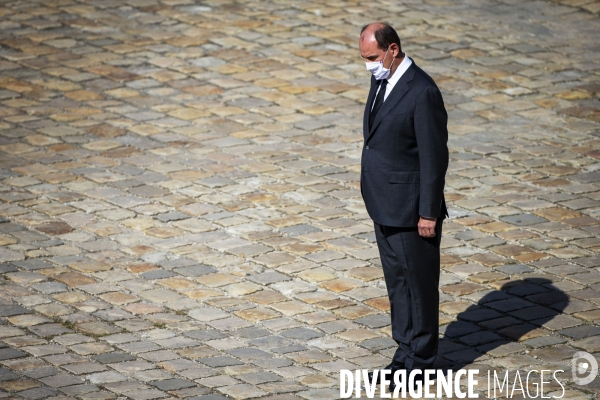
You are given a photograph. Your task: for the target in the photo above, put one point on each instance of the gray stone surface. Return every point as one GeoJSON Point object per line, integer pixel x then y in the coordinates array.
{"type": "Point", "coordinates": [180, 208]}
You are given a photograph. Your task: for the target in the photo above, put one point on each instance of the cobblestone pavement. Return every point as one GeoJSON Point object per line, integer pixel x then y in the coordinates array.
{"type": "Point", "coordinates": [181, 208]}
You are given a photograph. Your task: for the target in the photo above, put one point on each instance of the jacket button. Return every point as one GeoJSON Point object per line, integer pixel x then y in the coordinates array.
{"type": "Point", "coordinates": [367, 147]}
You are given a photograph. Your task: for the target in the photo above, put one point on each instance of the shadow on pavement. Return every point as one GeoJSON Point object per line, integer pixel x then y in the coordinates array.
{"type": "Point", "coordinates": [500, 320]}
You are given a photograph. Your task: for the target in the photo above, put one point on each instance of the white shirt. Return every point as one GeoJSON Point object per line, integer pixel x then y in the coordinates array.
{"type": "Point", "coordinates": [404, 65]}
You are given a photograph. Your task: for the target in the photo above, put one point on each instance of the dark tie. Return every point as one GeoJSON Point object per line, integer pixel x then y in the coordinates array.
{"type": "Point", "coordinates": [378, 102]}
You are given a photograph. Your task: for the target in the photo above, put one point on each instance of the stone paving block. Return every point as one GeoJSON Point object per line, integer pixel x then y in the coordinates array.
{"type": "Point", "coordinates": [121, 387]}
{"type": "Point", "coordinates": [41, 372]}
{"type": "Point", "coordinates": [97, 328]}
{"type": "Point", "coordinates": [32, 264]}
{"type": "Point", "coordinates": [478, 338]}
{"type": "Point", "coordinates": [291, 307]}
{"type": "Point", "coordinates": [66, 358]}
{"type": "Point", "coordinates": [195, 392]}
{"type": "Point", "coordinates": [151, 375]}
{"type": "Point", "coordinates": [217, 381]}
{"type": "Point", "coordinates": [21, 341]}
{"type": "Point", "coordinates": [377, 344]}
{"type": "Point", "coordinates": [249, 353]}
{"type": "Point", "coordinates": [46, 330]}
{"type": "Point", "coordinates": [85, 391]}
{"type": "Point", "coordinates": [178, 365]}
{"type": "Point", "coordinates": [262, 162]}
{"type": "Point", "coordinates": [105, 377]}
{"type": "Point", "coordinates": [147, 394]}
{"type": "Point", "coordinates": [38, 393]}
{"type": "Point", "coordinates": [61, 380]}
{"type": "Point", "coordinates": [374, 321]}
{"type": "Point", "coordinates": [301, 333]}
{"type": "Point", "coordinates": [580, 332]}
{"type": "Point", "coordinates": [457, 329]}
{"type": "Point", "coordinates": [84, 368]}
{"type": "Point", "coordinates": [523, 219]}
{"type": "Point", "coordinates": [195, 270]}
{"type": "Point", "coordinates": [256, 314]}
{"type": "Point", "coordinates": [357, 335]}
{"type": "Point", "coordinates": [7, 375]}
{"type": "Point", "coordinates": [44, 350]}
{"type": "Point", "coordinates": [219, 361]}
{"type": "Point", "coordinates": [159, 355]}
{"type": "Point", "coordinates": [109, 358]}
{"type": "Point", "coordinates": [242, 391]}
{"type": "Point", "coordinates": [7, 268]}
{"type": "Point", "coordinates": [129, 367]}
{"type": "Point", "coordinates": [10, 310]}
{"type": "Point", "coordinates": [19, 385]}
{"type": "Point", "coordinates": [172, 384]}
{"type": "Point", "coordinates": [532, 312]}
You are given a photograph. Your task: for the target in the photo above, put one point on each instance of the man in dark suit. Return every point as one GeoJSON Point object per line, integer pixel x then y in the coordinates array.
{"type": "Point", "coordinates": [403, 168]}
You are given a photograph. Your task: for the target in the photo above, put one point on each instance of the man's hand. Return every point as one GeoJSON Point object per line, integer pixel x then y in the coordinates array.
{"type": "Point", "coordinates": [427, 227]}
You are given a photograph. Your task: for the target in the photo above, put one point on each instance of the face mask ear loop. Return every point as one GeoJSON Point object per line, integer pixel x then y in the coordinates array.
{"type": "Point", "coordinates": [390, 68]}
{"type": "Point", "coordinates": [384, 56]}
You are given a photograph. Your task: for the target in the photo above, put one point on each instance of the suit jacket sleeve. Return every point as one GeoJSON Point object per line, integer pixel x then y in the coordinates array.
{"type": "Point", "coordinates": [432, 142]}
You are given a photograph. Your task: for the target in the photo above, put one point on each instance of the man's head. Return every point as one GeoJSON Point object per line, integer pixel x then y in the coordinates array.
{"type": "Point", "coordinates": [376, 39]}
{"type": "Point", "coordinates": [379, 45]}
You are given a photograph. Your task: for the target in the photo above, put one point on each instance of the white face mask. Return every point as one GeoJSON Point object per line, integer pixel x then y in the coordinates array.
{"type": "Point", "coordinates": [377, 69]}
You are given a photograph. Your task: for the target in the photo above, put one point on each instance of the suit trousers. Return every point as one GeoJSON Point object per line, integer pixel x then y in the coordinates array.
{"type": "Point", "coordinates": [411, 267]}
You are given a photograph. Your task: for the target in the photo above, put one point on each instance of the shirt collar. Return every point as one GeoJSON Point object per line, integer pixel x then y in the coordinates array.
{"type": "Point", "coordinates": [404, 65]}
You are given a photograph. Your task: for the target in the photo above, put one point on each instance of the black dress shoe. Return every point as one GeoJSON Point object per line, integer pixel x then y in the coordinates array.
{"type": "Point", "coordinates": [394, 366]}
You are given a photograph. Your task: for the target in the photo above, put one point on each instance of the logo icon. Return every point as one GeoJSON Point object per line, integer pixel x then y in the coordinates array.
{"type": "Point", "coordinates": [584, 364]}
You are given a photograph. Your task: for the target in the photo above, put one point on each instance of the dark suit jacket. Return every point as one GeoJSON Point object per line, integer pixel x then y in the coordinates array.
{"type": "Point", "coordinates": [405, 153]}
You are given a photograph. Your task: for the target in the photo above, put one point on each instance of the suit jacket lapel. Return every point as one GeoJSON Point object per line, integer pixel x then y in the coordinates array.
{"type": "Point", "coordinates": [399, 90]}
{"type": "Point", "coordinates": [374, 85]}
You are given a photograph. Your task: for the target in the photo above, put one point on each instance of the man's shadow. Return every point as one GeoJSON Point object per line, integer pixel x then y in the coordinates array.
{"type": "Point", "coordinates": [500, 321]}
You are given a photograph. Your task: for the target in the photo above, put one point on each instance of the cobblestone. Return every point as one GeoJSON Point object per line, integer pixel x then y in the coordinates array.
{"type": "Point", "coordinates": [180, 210]}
